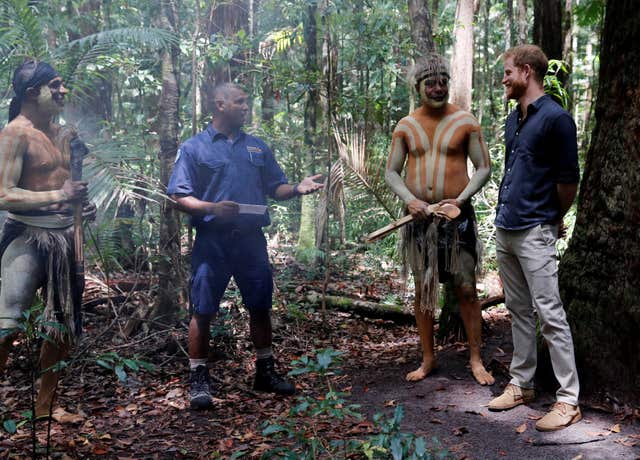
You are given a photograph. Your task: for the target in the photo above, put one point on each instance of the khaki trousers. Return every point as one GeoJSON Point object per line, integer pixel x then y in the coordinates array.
{"type": "Point", "coordinates": [528, 267]}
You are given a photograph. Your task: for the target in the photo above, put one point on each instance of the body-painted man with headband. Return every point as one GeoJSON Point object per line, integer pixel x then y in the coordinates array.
{"type": "Point", "coordinates": [36, 247]}
{"type": "Point", "coordinates": [432, 145]}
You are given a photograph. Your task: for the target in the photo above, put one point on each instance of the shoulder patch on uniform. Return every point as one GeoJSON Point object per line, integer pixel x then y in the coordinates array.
{"type": "Point", "coordinates": [252, 149]}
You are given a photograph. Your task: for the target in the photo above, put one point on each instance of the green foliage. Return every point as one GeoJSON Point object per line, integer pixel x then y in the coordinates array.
{"type": "Point", "coordinates": [301, 439]}
{"type": "Point", "coordinates": [121, 365]}
{"type": "Point", "coordinates": [589, 12]}
{"type": "Point", "coordinates": [552, 83]}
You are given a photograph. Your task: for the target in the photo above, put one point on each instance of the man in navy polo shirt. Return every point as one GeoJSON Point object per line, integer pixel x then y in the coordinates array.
{"type": "Point", "coordinates": [216, 172]}
{"type": "Point", "coordinates": [539, 185]}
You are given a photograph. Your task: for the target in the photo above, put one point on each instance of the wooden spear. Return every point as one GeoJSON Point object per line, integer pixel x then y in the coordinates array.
{"type": "Point", "coordinates": [78, 151]}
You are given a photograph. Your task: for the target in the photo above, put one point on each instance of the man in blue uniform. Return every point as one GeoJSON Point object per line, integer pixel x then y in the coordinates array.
{"type": "Point", "coordinates": [215, 172]}
{"type": "Point", "coordinates": [540, 182]}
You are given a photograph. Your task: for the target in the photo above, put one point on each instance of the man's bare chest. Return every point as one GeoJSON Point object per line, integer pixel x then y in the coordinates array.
{"type": "Point", "coordinates": [43, 155]}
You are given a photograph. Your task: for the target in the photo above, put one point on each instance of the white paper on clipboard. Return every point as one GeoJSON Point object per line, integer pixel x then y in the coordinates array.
{"type": "Point", "coordinates": [257, 209]}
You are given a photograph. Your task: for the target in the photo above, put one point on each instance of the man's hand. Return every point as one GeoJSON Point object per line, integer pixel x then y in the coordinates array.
{"type": "Point", "coordinates": [419, 209]}
{"type": "Point", "coordinates": [457, 203]}
{"type": "Point", "coordinates": [309, 185]}
{"type": "Point", "coordinates": [225, 209]}
{"type": "Point", "coordinates": [75, 190]}
{"type": "Point", "coordinates": [89, 211]}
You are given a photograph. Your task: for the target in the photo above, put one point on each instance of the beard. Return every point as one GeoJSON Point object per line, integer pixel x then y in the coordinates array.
{"type": "Point", "coordinates": [516, 89]}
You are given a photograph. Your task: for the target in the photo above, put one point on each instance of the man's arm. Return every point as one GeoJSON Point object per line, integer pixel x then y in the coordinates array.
{"type": "Point", "coordinates": [13, 147]}
{"type": "Point", "coordinates": [195, 207]}
{"type": "Point", "coordinates": [306, 186]}
{"type": "Point", "coordinates": [397, 156]}
{"type": "Point", "coordinates": [479, 156]}
{"type": "Point", "coordinates": [566, 194]}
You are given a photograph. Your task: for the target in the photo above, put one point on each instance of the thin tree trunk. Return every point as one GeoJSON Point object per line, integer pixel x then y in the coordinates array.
{"type": "Point", "coordinates": [508, 26]}
{"type": "Point", "coordinates": [523, 22]}
{"type": "Point", "coordinates": [420, 23]}
{"type": "Point", "coordinates": [168, 266]}
{"type": "Point", "coordinates": [307, 231]}
{"type": "Point", "coordinates": [462, 60]}
{"type": "Point", "coordinates": [600, 271]}
{"type": "Point", "coordinates": [435, 7]}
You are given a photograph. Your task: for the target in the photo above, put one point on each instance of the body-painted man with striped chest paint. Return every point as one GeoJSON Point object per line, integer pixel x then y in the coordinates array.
{"type": "Point", "coordinates": [432, 145]}
{"type": "Point", "coordinates": [36, 245]}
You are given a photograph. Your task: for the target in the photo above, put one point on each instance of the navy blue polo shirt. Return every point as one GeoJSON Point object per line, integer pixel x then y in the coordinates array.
{"type": "Point", "coordinates": [541, 152]}
{"type": "Point", "coordinates": [211, 167]}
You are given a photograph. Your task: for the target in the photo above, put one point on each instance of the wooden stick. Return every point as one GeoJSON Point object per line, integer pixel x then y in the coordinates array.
{"type": "Point", "coordinates": [448, 211]}
{"type": "Point", "coordinates": [384, 231]}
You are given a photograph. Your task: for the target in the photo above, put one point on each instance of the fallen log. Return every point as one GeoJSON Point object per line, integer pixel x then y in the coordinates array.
{"type": "Point", "coordinates": [367, 309]}
{"type": "Point", "coordinates": [395, 313]}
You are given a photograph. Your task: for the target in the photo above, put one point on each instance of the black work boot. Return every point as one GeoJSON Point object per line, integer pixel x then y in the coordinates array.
{"type": "Point", "coordinates": [200, 388]}
{"type": "Point", "coordinates": [267, 379]}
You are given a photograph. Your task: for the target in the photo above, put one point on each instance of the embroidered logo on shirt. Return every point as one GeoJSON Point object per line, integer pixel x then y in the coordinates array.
{"type": "Point", "coordinates": [252, 149]}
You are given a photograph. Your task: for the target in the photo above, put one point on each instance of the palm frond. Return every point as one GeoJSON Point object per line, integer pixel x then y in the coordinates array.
{"type": "Point", "coordinates": [152, 38]}
{"type": "Point", "coordinates": [22, 29]}
{"type": "Point", "coordinates": [116, 175]}
{"type": "Point", "coordinates": [362, 175]}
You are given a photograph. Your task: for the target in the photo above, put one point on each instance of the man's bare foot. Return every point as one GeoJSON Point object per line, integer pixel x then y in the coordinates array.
{"type": "Point", "coordinates": [480, 374]}
{"type": "Point", "coordinates": [425, 369]}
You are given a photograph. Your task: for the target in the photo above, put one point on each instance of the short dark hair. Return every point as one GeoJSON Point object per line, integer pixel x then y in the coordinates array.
{"type": "Point", "coordinates": [221, 92]}
{"type": "Point", "coordinates": [531, 55]}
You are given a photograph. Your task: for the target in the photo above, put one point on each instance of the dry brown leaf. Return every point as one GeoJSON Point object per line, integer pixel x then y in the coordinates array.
{"type": "Point", "coordinates": [578, 457]}
{"type": "Point", "coordinates": [460, 431]}
{"type": "Point", "coordinates": [615, 428]}
{"type": "Point", "coordinates": [625, 442]}
{"type": "Point", "coordinates": [62, 416]}
{"type": "Point", "coordinates": [100, 450]}
{"type": "Point", "coordinates": [435, 421]}
{"type": "Point", "coordinates": [522, 428]}
{"type": "Point", "coordinates": [390, 403]}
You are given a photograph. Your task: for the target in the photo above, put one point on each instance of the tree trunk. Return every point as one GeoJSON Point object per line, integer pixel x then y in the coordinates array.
{"type": "Point", "coordinates": [523, 22]}
{"type": "Point", "coordinates": [225, 20]}
{"type": "Point", "coordinates": [169, 250]}
{"type": "Point", "coordinates": [547, 27]}
{"type": "Point", "coordinates": [508, 24]}
{"type": "Point", "coordinates": [600, 271]}
{"type": "Point", "coordinates": [462, 60]}
{"type": "Point", "coordinates": [307, 231]}
{"type": "Point", "coordinates": [420, 22]}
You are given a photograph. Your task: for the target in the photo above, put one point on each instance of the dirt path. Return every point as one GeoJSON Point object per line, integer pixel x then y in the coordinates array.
{"type": "Point", "coordinates": [449, 406]}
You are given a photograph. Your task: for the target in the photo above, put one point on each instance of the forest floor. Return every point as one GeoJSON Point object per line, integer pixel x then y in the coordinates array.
{"type": "Point", "coordinates": [146, 415]}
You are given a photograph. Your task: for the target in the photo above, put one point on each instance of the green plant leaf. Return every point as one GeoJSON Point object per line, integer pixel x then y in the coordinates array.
{"type": "Point", "coordinates": [104, 364]}
{"type": "Point", "coordinates": [10, 426]}
{"type": "Point", "coordinates": [131, 364]}
{"type": "Point", "coordinates": [119, 370]}
{"type": "Point", "coordinates": [272, 429]}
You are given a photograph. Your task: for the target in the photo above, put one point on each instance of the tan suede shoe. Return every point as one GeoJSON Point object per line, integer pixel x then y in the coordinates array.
{"type": "Point", "coordinates": [560, 416]}
{"type": "Point", "coordinates": [512, 396]}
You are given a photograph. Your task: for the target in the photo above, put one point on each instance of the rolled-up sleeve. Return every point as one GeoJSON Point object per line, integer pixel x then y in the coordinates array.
{"type": "Point", "coordinates": [564, 146]}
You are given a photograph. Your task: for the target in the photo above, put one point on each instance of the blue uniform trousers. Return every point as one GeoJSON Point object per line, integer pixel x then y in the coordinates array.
{"type": "Point", "coordinates": [219, 254]}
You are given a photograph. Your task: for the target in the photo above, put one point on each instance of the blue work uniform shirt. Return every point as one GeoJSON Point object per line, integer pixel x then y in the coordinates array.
{"type": "Point", "coordinates": [211, 167]}
{"type": "Point", "coordinates": [541, 152]}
